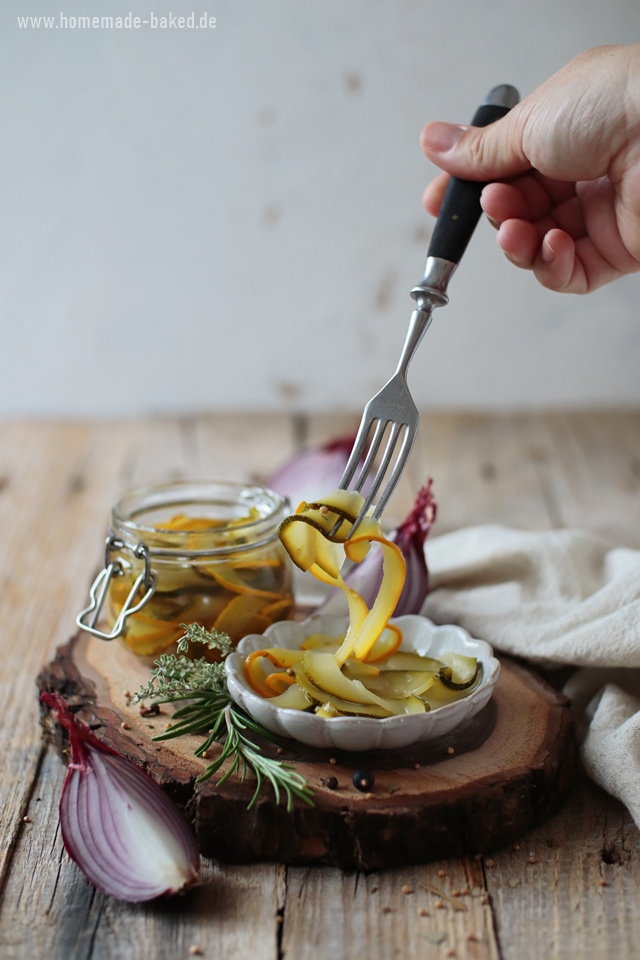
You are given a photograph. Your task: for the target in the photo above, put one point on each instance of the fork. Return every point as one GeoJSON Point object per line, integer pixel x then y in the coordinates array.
{"type": "Point", "coordinates": [393, 407]}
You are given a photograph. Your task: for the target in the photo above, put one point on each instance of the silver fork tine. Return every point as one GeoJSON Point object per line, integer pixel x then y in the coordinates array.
{"type": "Point", "coordinates": [410, 431]}
{"type": "Point", "coordinates": [359, 446]}
{"type": "Point", "coordinates": [382, 469]}
{"type": "Point", "coordinates": [405, 451]}
{"type": "Point", "coordinates": [376, 440]}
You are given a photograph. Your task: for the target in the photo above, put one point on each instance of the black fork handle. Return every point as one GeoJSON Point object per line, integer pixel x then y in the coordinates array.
{"type": "Point", "coordinates": [460, 210]}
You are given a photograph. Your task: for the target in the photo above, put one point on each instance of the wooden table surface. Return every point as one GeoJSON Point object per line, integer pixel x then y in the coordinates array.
{"type": "Point", "coordinates": [578, 898]}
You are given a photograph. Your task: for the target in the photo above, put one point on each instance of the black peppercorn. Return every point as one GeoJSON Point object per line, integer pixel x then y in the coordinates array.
{"type": "Point", "coordinates": [331, 783]}
{"type": "Point", "coordinates": [363, 780]}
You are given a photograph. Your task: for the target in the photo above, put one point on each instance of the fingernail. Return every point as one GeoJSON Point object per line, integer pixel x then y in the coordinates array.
{"type": "Point", "coordinates": [546, 252]}
{"type": "Point", "coordinates": [442, 137]}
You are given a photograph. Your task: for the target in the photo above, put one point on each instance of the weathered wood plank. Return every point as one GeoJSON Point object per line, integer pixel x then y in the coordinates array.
{"type": "Point", "coordinates": [166, 450]}
{"type": "Point", "coordinates": [484, 470]}
{"type": "Point", "coordinates": [49, 909]}
{"type": "Point", "coordinates": [53, 502]}
{"type": "Point", "coordinates": [410, 912]}
{"type": "Point", "coordinates": [570, 890]}
{"type": "Point", "coordinates": [589, 466]}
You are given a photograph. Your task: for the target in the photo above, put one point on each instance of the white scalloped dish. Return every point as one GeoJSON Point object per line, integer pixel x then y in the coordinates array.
{"type": "Point", "coordinates": [364, 733]}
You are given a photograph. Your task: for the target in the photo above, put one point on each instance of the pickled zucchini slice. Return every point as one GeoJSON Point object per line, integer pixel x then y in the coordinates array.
{"type": "Point", "coordinates": [313, 693]}
{"type": "Point", "coordinates": [403, 660]}
{"type": "Point", "coordinates": [344, 708]}
{"type": "Point", "coordinates": [359, 670]}
{"type": "Point", "coordinates": [279, 657]}
{"type": "Point", "coordinates": [386, 644]}
{"type": "Point", "coordinates": [321, 640]}
{"type": "Point", "coordinates": [293, 698]}
{"type": "Point", "coordinates": [401, 683]}
{"type": "Point", "coordinates": [458, 671]}
{"type": "Point", "coordinates": [324, 672]}
{"type": "Point", "coordinates": [279, 682]}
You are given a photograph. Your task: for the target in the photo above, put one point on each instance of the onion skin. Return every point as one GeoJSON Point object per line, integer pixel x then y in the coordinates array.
{"type": "Point", "coordinates": [117, 824]}
{"type": "Point", "coordinates": [308, 475]}
{"type": "Point", "coordinates": [410, 536]}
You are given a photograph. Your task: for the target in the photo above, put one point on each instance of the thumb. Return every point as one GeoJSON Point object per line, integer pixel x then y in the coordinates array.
{"type": "Point", "coordinates": [477, 153]}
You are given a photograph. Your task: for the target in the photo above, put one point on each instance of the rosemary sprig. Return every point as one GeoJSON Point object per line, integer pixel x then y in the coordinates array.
{"type": "Point", "coordinates": [204, 685]}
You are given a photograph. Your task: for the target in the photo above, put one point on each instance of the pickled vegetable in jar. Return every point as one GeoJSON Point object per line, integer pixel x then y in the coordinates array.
{"type": "Point", "coordinates": [192, 552]}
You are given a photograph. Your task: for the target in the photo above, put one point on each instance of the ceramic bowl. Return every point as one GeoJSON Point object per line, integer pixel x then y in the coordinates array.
{"type": "Point", "coordinates": [363, 733]}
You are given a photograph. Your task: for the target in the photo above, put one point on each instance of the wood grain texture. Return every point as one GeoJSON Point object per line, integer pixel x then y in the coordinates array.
{"type": "Point", "coordinates": [57, 484]}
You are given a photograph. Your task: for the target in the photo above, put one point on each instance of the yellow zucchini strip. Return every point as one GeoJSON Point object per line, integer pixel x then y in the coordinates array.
{"type": "Point", "coordinates": [231, 580]}
{"type": "Point", "coordinates": [278, 682]}
{"type": "Point", "coordinates": [237, 612]}
{"type": "Point", "coordinates": [393, 565]}
{"type": "Point", "coordinates": [278, 656]}
{"type": "Point", "coordinates": [324, 672]}
{"type": "Point", "coordinates": [320, 640]}
{"type": "Point", "coordinates": [183, 522]}
{"type": "Point", "coordinates": [277, 610]}
{"type": "Point", "coordinates": [386, 645]}
{"type": "Point", "coordinates": [307, 537]}
{"type": "Point", "coordinates": [254, 673]}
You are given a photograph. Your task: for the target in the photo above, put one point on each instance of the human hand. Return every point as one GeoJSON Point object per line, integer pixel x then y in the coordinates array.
{"type": "Point", "coordinates": [567, 158]}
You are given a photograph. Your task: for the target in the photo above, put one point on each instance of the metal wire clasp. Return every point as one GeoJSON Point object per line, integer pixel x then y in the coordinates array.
{"type": "Point", "coordinates": [147, 581]}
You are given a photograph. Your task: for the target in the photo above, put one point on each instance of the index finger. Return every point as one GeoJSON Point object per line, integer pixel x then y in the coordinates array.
{"type": "Point", "coordinates": [433, 194]}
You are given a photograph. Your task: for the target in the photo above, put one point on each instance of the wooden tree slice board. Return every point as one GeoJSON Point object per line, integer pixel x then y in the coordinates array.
{"type": "Point", "coordinates": [510, 767]}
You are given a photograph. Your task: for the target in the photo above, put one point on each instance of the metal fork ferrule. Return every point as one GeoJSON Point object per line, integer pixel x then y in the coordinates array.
{"type": "Point", "coordinates": [432, 289]}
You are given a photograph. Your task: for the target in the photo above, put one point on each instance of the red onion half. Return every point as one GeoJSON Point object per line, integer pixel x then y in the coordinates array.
{"type": "Point", "coordinates": [365, 577]}
{"type": "Point", "coordinates": [117, 824]}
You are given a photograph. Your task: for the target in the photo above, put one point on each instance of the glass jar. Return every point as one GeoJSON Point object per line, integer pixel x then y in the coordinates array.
{"type": "Point", "coordinates": [184, 552]}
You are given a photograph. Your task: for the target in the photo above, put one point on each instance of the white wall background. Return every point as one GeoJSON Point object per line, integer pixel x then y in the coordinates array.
{"type": "Point", "coordinates": [231, 218]}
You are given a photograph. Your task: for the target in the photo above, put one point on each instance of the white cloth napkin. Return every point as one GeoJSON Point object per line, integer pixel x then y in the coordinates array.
{"type": "Point", "coordinates": [561, 597]}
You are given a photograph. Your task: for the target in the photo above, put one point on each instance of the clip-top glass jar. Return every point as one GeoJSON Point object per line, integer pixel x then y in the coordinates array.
{"type": "Point", "coordinates": [185, 552]}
